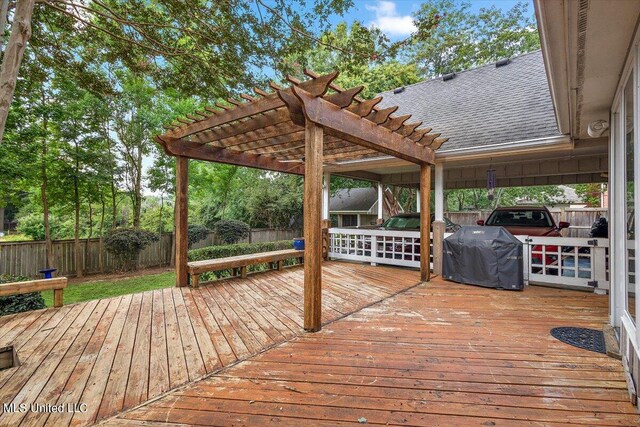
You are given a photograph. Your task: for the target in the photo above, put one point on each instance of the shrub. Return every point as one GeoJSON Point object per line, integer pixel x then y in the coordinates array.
{"type": "Point", "coordinates": [231, 231]}
{"type": "Point", "coordinates": [32, 225]}
{"type": "Point", "coordinates": [125, 244]}
{"type": "Point", "coordinates": [196, 233]}
{"type": "Point", "coordinates": [223, 251]}
{"type": "Point", "coordinates": [19, 303]}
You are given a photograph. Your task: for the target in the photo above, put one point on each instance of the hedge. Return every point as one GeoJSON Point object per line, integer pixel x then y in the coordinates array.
{"type": "Point", "coordinates": [19, 303]}
{"type": "Point", "coordinates": [223, 251]}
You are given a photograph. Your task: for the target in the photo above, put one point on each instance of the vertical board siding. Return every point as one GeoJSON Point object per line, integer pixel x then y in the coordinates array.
{"type": "Point", "coordinates": [27, 258]}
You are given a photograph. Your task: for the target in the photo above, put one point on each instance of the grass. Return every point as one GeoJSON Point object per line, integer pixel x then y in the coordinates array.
{"type": "Point", "coordinates": [15, 238]}
{"type": "Point", "coordinates": [112, 288]}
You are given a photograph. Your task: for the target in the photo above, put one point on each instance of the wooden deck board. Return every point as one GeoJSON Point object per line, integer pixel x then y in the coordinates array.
{"type": "Point", "coordinates": [436, 354]}
{"type": "Point", "coordinates": [117, 353]}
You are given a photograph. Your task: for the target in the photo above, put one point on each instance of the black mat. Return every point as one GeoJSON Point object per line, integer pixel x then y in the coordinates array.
{"type": "Point", "coordinates": [588, 339]}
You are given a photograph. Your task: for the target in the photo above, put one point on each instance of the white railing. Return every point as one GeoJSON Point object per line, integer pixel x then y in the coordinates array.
{"type": "Point", "coordinates": [375, 246]}
{"type": "Point", "coordinates": [568, 261]}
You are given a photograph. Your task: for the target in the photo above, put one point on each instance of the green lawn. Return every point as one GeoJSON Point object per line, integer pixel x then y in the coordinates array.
{"type": "Point", "coordinates": [111, 288]}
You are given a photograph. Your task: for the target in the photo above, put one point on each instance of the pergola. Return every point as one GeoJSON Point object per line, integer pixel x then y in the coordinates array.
{"type": "Point", "coordinates": [298, 130]}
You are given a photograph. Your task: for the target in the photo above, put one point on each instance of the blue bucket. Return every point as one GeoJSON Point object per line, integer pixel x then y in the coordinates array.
{"type": "Point", "coordinates": [298, 244]}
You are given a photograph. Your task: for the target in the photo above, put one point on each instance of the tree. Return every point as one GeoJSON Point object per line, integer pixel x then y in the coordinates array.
{"type": "Point", "coordinates": [372, 66]}
{"type": "Point", "coordinates": [463, 39]}
{"type": "Point", "coordinates": [207, 48]}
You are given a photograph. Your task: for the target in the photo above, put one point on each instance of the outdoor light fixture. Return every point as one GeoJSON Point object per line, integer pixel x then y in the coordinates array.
{"type": "Point", "coordinates": [597, 128]}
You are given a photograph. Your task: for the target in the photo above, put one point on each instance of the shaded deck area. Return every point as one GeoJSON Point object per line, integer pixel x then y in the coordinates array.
{"type": "Point", "coordinates": [437, 354]}
{"type": "Point", "coordinates": [116, 353]}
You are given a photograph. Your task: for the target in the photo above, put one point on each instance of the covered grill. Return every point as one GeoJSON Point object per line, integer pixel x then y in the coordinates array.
{"type": "Point", "coordinates": [484, 256]}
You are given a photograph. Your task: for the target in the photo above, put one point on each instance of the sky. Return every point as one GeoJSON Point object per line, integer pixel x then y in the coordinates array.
{"type": "Point", "coordinates": [393, 17]}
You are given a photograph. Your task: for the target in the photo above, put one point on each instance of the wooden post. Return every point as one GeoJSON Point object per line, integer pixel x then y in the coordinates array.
{"type": "Point", "coordinates": [182, 239]}
{"type": "Point", "coordinates": [313, 227]}
{"type": "Point", "coordinates": [58, 297]}
{"type": "Point", "coordinates": [425, 221]}
{"type": "Point", "coordinates": [326, 225]}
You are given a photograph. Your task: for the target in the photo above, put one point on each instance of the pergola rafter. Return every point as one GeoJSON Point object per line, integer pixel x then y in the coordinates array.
{"type": "Point", "coordinates": [298, 130]}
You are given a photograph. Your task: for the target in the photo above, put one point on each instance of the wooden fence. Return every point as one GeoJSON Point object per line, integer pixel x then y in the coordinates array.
{"type": "Point", "coordinates": [581, 219]}
{"type": "Point", "coordinates": [27, 258]}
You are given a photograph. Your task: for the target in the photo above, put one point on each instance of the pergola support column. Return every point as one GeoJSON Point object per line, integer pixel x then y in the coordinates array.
{"type": "Point", "coordinates": [425, 222]}
{"type": "Point", "coordinates": [181, 221]}
{"type": "Point", "coordinates": [380, 203]}
{"type": "Point", "coordinates": [438, 224]}
{"type": "Point", "coordinates": [313, 227]}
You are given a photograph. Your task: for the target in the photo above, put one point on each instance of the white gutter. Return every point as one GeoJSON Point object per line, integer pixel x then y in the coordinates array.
{"type": "Point", "coordinates": [559, 142]}
{"type": "Point", "coordinates": [507, 148]}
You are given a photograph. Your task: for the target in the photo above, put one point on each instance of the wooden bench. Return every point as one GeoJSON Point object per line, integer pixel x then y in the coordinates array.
{"type": "Point", "coordinates": [17, 288]}
{"type": "Point", "coordinates": [196, 268]}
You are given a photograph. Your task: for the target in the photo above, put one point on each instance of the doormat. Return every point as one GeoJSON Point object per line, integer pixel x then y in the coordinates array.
{"type": "Point", "coordinates": [588, 339]}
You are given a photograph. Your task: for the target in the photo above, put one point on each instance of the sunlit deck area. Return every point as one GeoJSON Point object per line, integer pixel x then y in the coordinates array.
{"type": "Point", "coordinates": [436, 354]}
{"type": "Point", "coordinates": [114, 354]}
{"type": "Point", "coordinates": [391, 353]}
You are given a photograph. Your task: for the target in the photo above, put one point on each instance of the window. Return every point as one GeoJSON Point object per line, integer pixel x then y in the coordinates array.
{"type": "Point", "coordinates": [349, 220]}
{"type": "Point", "coordinates": [629, 144]}
{"type": "Point", "coordinates": [522, 218]}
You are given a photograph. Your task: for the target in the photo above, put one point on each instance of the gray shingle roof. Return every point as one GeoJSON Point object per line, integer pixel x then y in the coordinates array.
{"type": "Point", "coordinates": [353, 199]}
{"type": "Point", "coordinates": [484, 105]}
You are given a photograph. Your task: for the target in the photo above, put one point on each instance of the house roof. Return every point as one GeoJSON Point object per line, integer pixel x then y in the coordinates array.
{"type": "Point", "coordinates": [353, 199]}
{"type": "Point", "coordinates": [484, 106]}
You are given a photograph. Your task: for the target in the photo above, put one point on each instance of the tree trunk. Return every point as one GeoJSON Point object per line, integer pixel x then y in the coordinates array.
{"type": "Point", "coordinates": [137, 196]}
{"type": "Point", "coordinates": [48, 244]}
{"type": "Point", "coordinates": [102, 209]}
{"type": "Point", "coordinates": [76, 231]}
{"type": "Point", "coordinates": [20, 35]}
{"type": "Point", "coordinates": [87, 241]}
{"type": "Point", "coordinates": [4, 8]}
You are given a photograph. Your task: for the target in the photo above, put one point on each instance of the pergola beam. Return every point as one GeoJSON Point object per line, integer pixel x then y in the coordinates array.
{"type": "Point", "coordinates": [193, 150]}
{"type": "Point", "coordinates": [350, 127]}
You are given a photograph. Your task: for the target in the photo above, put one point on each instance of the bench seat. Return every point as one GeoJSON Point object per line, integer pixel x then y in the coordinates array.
{"type": "Point", "coordinates": [196, 268]}
{"type": "Point", "coordinates": [57, 284]}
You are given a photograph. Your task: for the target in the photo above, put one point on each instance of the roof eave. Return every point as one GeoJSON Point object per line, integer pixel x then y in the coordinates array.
{"type": "Point", "coordinates": [552, 25]}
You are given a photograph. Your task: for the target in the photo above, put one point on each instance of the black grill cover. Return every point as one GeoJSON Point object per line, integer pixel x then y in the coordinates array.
{"type": "Point", "coordinates": [485, 256]}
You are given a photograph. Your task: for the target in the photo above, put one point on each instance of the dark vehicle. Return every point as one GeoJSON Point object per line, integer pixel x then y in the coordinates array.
{"type": "Point", "coordinates": [411, 222]}
{"type": "Point", "coordinates": [399, 248]}
{"type": "Point", "coordinates": [525, 221]}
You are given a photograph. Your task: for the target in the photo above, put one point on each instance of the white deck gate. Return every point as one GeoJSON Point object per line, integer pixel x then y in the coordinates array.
{"type": "Point", "coordinates": [564, 261]}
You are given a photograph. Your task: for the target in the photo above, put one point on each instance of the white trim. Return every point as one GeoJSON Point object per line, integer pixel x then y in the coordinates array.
{"type": "Point", "coordinates": [325, 195]}
{"type": "Point", "coordinates": [544, 44]}
{"type": "Point", "coordinates": [520, 147]}
{"type": "Point", "coordinates": [350, 213]}
{"type": "Point", "coordinates": [380, 200]}
{"type": "Point", "coordinates": [417, 201]}
{"type": "Point", "coordinates": [523, 146]}
{"type": "Point", "coordinates": [439, 192]}
{"type": "Point", "coordinates": [636, 187]}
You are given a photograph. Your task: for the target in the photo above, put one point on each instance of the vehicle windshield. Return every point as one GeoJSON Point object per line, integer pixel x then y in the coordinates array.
{"type": "Point", "coordinates": [520, 218]}
{"type": "Point", "coordinates": [402, 222]}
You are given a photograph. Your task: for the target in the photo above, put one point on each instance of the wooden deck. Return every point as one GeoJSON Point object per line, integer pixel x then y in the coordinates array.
{"type": "Point", "coordinates": [114, 354]}
{"type": "Point", "coordinates": [437, 354]}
